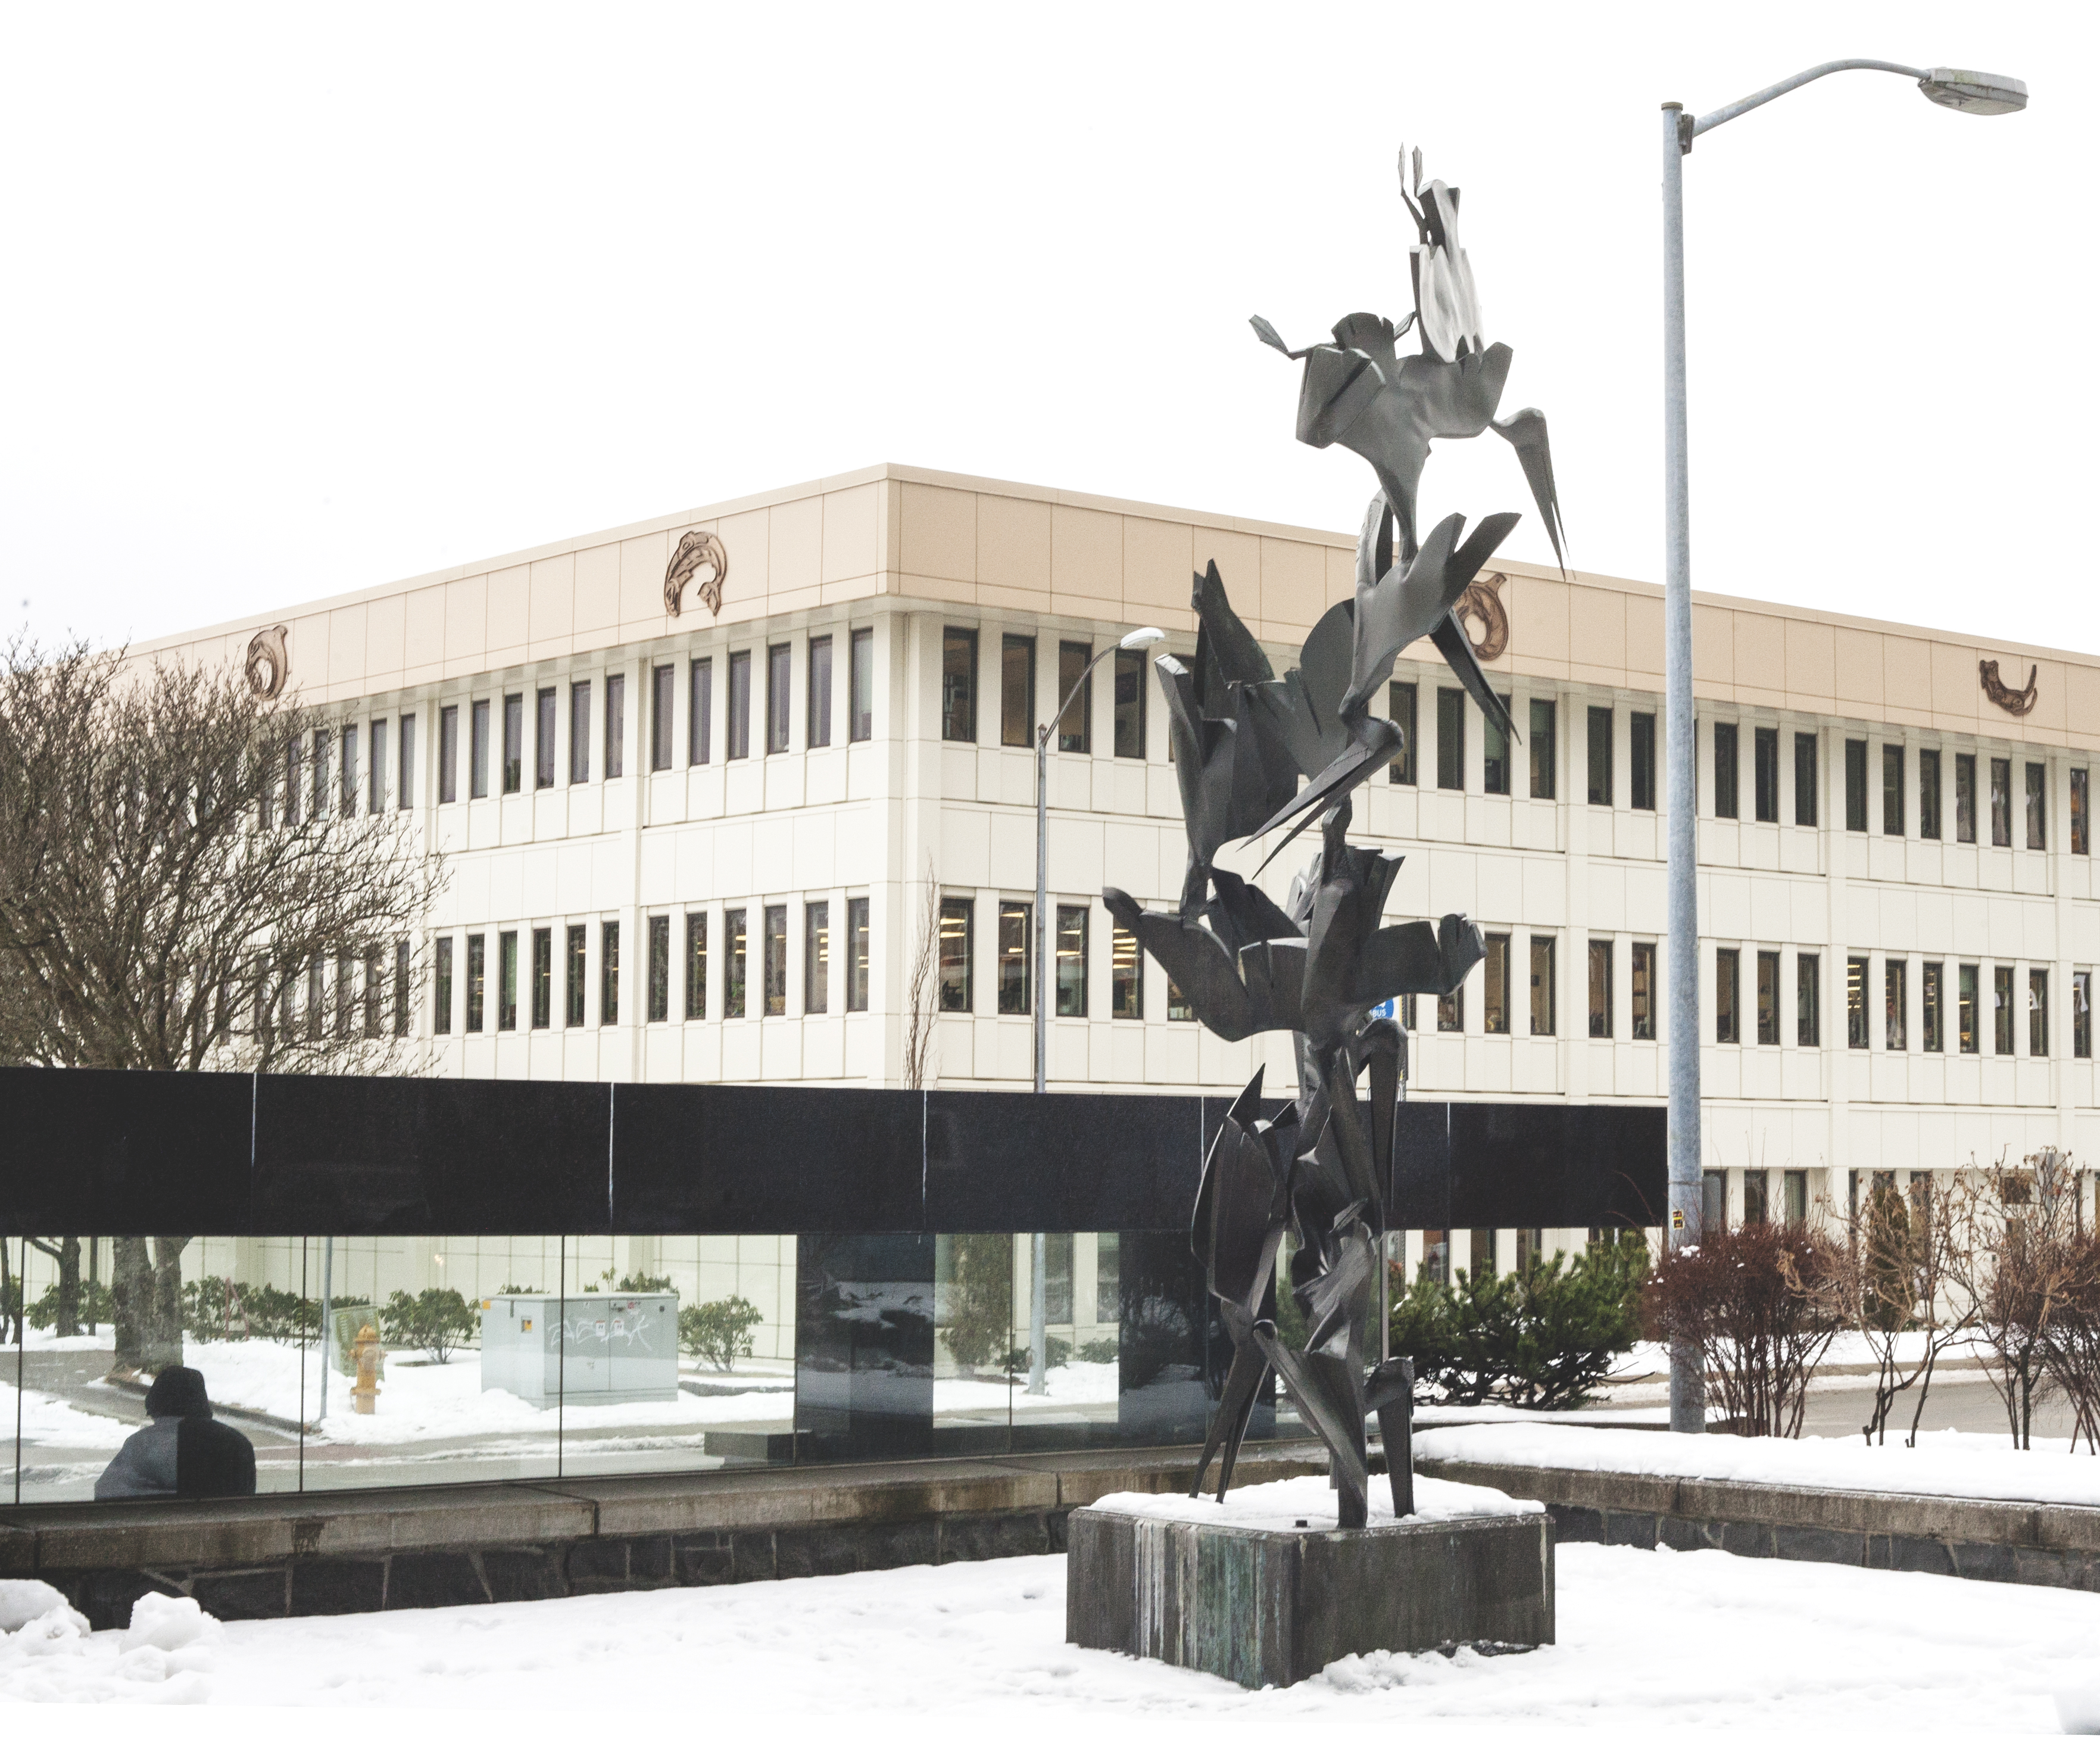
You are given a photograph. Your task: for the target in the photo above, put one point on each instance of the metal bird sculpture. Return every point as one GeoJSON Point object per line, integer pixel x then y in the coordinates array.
{"type": "Point", "coordinates": [1320, 964]}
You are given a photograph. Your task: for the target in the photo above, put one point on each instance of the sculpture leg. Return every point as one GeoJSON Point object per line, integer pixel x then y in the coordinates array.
{"type": "Point", "coordinates": [1391, 1393]}
{"type": "Point", "coordinates": [1235, 1407]}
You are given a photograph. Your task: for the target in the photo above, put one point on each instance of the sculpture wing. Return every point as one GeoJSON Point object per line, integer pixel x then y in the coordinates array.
{"type": "Point", "coordinates": [1399, 609]}
{"type": "Point", "coordinates": [1525, 431]}
{"type": "Point", "coordinates": [1457, 647]}
{"type": "Point", "coordinates": [1226, 651]}
{"type": "Point", "coordinates": [1201, 966]}
{"type": "Point", "coordinates": [1364, 757]}
{"type": "Point", "coordinates": [1415, 958]}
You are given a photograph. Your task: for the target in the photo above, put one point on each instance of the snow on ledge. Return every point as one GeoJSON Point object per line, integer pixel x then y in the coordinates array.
{"type": "Point", "coordinates": [1958, 1466]}
{"type": "Point", "coordinates": [1308, 1503]}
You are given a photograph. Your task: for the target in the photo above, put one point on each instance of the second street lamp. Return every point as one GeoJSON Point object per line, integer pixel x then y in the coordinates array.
{"type": "Point", "coordinates": [1951, 88]}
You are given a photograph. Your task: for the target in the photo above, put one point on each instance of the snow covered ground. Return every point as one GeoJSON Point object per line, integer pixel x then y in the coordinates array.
{"type": "Point", "coordinates": [1976, 1467]}
{"type": "Point", "coordinates": [1649, 1642]}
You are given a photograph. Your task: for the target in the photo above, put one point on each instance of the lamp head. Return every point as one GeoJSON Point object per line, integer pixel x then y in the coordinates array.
{"type": "Point", "coordinates": [1145, 638]}
{"type": "Point", "coordinates": [1976, 93]}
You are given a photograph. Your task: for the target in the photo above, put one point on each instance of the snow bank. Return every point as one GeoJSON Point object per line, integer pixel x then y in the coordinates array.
{"type": "Point", "coordinates": [1308, 1502]}
{"type": "Point", "coordinates": [1968, 1467]}
{"type": "Point", "coordinates": [163, 1658]}
{"type": "Point", "coordinates": [52, 1421]}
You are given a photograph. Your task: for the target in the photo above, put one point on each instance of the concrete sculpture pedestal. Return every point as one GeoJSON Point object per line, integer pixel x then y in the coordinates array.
{"type": "Point", "coordinates": [1264, 1600]}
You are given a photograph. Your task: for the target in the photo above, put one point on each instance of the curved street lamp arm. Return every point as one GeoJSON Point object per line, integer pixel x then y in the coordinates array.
{"type": "Point", "coordinates": [1759, 99]}
{"type": "Point", "coordinates": [1042, 731]}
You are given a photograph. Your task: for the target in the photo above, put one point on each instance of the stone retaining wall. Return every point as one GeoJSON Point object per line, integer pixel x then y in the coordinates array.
{"type": "Point", "coordinates": [2021, 1542]}
{"type": "Point", "coordinates": [318, 1554]}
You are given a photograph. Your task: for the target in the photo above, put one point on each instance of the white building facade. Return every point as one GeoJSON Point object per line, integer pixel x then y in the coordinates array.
{"type": "Point", "coordinates": [689, 845]}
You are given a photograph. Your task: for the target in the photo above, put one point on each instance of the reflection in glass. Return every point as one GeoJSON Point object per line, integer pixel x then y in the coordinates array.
{"type": "Point", "coordinates": [956, 913]}
{"type": "Point", "coordinates": [1014, 956]}
{"type": "Point", "coordinates": [1071, 962]}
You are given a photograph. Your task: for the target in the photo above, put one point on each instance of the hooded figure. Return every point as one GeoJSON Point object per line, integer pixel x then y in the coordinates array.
{"type": "Point", "coordinates": [182, 1452]}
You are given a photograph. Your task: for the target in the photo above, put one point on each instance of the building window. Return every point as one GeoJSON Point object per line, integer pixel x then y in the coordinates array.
{"type": "Point", "coordinates": [1795, 1183]}
{"type": "Point", "coordinates": [1757, 1188]}
{"type": "Point", "coordinates": [739, 704]}
{"type": "Point", "coordinates": [1451, 1011]}
{"type": "Point", "coordinates": [543, 748]}
{"type": "Point", "coordinates": [700, 712]}
{"type": "Point", "coordinates": [1126, 975]}
{"type": "Point", "coordinates": [404, 787]}
{"type": "Point", "coordinates": [1895, 1004]}
{"type": "Point", "coordinates": [1727, 994]}
{"type": "Point", "coordinates": [1964, 797]}
{"type": "Point", "coordinates": [1451, 740]}
{"type": "Point", "coordinates": [662, 699]}
{"type": "Point", "coordinates": [779, 668]}
{"type": "Point", "coordinates": [1856, 1001]}
{"type": "Point", "coordinates": [1807, 1000]}
{"type": "Point", "coordinates": [543, 976]}
{"type": "Point", "coordinates": [447, 755]}
{"type": "Point", "coordinates": [857, 953]}
{"type": "Point", "coordinates": [958, 685]}
{"type": "Point", "coordinates": [860, 695]}
{"type": "Point", "coordinates": [1544, 1001]}
{"type": "Point", "coordinates": [2001, 801]}
{"type": "Point", "coordinates": [1075, 726]}
{"type": "Point", "coordinates": [1928, 796]}
{"type": "Point", "coordinates": [1071, 962]}
{"type": "Point", "coordinates": [2037, 806]}
{"type": "Point", "coordinates": [1804, 779]}
{"type": "Point", "coordinates": [1400, 704]}
{"type": "Point", "coordinates": [819, 705]}
{"type": "Point", "coordinates": [401, 986]}
{"type": "Point", "coordinates": [1130, 702]}
{"type": "Point", "coordinates": [816, 958]}
{"type": "Point", "coordinates": [1017, 690]}
{"type": "Point", "coordinates": [580, 732]}
{"type": "Point", "coordinates": [1855, 783]}
{"type": "Point", "coordinates": [317, 801]}
{"type": "Point", "coordinates": [347, 799]}
{"type": "Point", "coordinates": [371, 992]}
{"type": "Point", "coordinates": [1494, 753]}
{"type": "Point", "coordinates": [477, 975]}
{"type": "Point", "coordinates": [956, 914]}
{"type": "Point", "coordinates": [1495, 985]}
{"type": "Point", "coordinates": [1601, 989]}
{"type": "Point", "coordinates": [2001, 1010]}
{"type": "Point", "coordinates": [733, 952]}
{"type": "Point", "coordinates": [696, 966]}
{"type": "Point", "coordinates": [615, 725]}
{"type": "Point", "coordinates": [1764, 767]}
{"type": "Point", "coordinates": [1641, 988]}
{"type": "Point", "coordinates": [1178, 1010]}
{"type": "Point", "coordinates": [2082, 827]}
{"type": "Point", "coordinates": [1543, 760]}
{"type": "Point", "coordinates": [506, 980]}
{"type": "Point", "coordinates": [1600, 755]}
{"type": "Point", "coordinates": [1724, 768]}
{"type": "Point", "coordinates": [1015, 958]}
{"type": "Point", "coordinates": [572, 1013]}
{"type": "Point", "coordinates": [2038, 1013]}
{"type": "Point", "coordinates": [1892, 789]}
{"type": "Point", "coordinates": [775, 964]}
{"type": "Point", "coordinates": [441, 994]}
{"type": "Point", "coordinates": [2081, 1014]}
{"type": "Point", "coordinates": [1932, 1009]}
{"type": "Point", "coordinates": [659, 964]}
{"type": "Point", "coordinates": [1642, 762]}
{"type": "Point", "coordinates": [1768, 998]}
{"type": "Point", "coordinates": [513, 743]}
{"type": "Point", "coordinates": [1968, 1027]}
{"type": "Point", "coordinates": [477, 752]}
{"type": "Point", "coordinates": [1713, 1199]}
{"type": "Point", "coordinates": [375, 770]}
{"type": "Point", "coordinates": [608, 972]}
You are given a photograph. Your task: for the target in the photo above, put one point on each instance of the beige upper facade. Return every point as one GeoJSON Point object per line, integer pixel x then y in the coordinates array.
{"type": "Point", "coordinates": [910, 533]}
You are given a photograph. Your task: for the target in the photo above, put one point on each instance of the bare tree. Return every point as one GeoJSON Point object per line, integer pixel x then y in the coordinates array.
{"type": "Point", "coordinates": [1894, 1271]}
{"type": "Point", "coordinates": [186, 884]}
{"type": "Point", "coordinates": [922, 986]}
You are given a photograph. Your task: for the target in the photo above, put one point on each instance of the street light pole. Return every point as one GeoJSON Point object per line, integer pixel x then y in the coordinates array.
{"type": "Point", "coordinates": [1951, 88]}
{"type": "Point", "coordinates": [1038, 1293]}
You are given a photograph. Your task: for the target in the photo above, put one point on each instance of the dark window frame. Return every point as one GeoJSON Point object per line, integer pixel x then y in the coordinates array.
{"type": "Point", "coordinates": [1127, 704]}
{"type": "Point", "coordinates": [608, 973]}
{"type": "Point", "coordinates": [1072, 918]}
{"type": "Point", "coordinates": [506, 980]}
{"type": "Point", "coordinates": [1495, 757]}
{"type": "Point", "coordinates": [1640, 782]}
{"type": "Point", "coordinates": [543, 976]}
{"type": "Point", "coordinates": [1544, 973]}
{"type": "Point", "coordinates": [1807, 998]}
{"type": "Point", "coordinates": [1600, 771]}
{"type": "Point", "coordinates": [1015, 966]}
{"type": "Point", "coordinates": [773, 964]}
{"type": "Point", "coordinates": [662, 721]}
{"type": "Point", "coordinates": [956, 961]}
{"type": "Point", "coordinates": [1856, 785]}
{"type": "Point", "coordinates": [1600, 954]}
{"type": "Point", "coordinates": [1450, 739]}
{"type": "Point", "coordinates": [1727, 996]}
{"type": "Point", "coordinates": [658, 1008]}
{"type": "Point", "coordinates": [1807, 778]}
{"type": "Point", "coordinates": [696, 965]}
{"type": "Point", "coordinates": [580, 732]}
{"type": "Point", "coordinates": [858, 953]}
{"type": "Point", "coordinates": [780, 697]}
{"type": "Point", "coordinates": [1928, 793]}
{"type": "Point", "coordinates": [816, 958]}
{"type": "Point", "coordinates": [546, 714]}
{"type": "Point", "coordinates": [1767, 995]}
{"type": "Point", "coordinates": [615, 758]}
{"type": "Point", "coordinates": [1964, 797]}
{"type": "Point", "coordinates": [1495, 988]}
{"type": "Point", "coordinates": [1895, 1004]}
{"type": "Point", "coordinates": [816, 700]}
{"type": "Point", "coordinates": [1016, 691]}
{"type": "Point", "coordinates": [1932, 1007]}
{"type": "Point", "coordinates": [736, 964]}
{"type": "Point", "coordinates": [699, 710]}
{"type": "Point", "coordinates": [1075, 726]}
{"type": "Point", "coordinates": [2001, 801]}
{"type": "Point", "coordinates": [958, 685]}
{"type": "Point", "coordinates": [576, 970]}
{"type": "Point", "coordinates": [1764, 773]}
{"type": "Point", "coordinates": [739, 704]}
{"type": "Point", "coordinates": [860, 686]}
{"type": "Point", "coordinates": [1858, 1028]}
{"type": "Point", "coordinates": [2037, 807]}
{"type": "Point", "coordinates": [1726, 753]}
{"type": "Point", "coordinates": [1641, 990]}
{"type": "Point", "coordinates": [1893, 789]}
{"type": "Point", "coordinates": [514, 741]}
{"type": "Point", "coordinates": [1401, 703]}
{"type": "Point", "coordinates": [1126, 975]}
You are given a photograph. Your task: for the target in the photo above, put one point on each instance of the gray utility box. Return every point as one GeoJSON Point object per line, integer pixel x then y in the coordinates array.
{"type": "Point", "coordinates": [596, 1349]}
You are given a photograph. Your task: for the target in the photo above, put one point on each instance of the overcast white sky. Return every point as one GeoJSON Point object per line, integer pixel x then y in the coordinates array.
{"type": "Point", "coordinates": [299, 300]}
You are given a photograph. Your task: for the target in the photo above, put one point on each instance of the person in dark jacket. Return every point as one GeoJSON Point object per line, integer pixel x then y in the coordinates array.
{"type": "Point", "coordinates": [182, 1452]}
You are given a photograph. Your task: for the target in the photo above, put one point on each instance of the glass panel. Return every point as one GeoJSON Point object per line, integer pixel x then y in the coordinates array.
{"type": "Point", "coordinates": [1495, 985]}
{"type": "Point", "coordinates": [1755, 1189]}
{"type": "Point", "coordinates": [1642, 760]}
{"type": "Point", "coordinates": [700, 712]}
{"type": "Point", "coordinates": [2081, 1014]}
{"type": "Point", "coordinates": [1642, 991]}
{"type": "Point", "coordinates": [1600, 755]}
{"type": "Point", "coordinates": [1017, 690]}
{"type": "Point", "coordinates": [506, 980]}
{"type": "Point", "coordinates": [404, 787]}
{"type": "Point", "coordinates": [739, 704]}
{"type": "Point", "coordinates": [1543, 1005]}
{"type": "Point", "coordinates": [958, 685]}
{"type": "Point", "coordinates": [1808, 1000]}
{"type": "Point", "coordinates": [820, 691]}
{"type": "Point", "coordinates": [956, 912]}
{"type": "Point", "coordinates": [1126, 975]}
{"type": "Point", "coordinates": [477, 975]}
{"type": "Point", "coordinates": [375, 770]}
{"type": "Point", "coordinates": [779, 668]}
{"type": "Point", "coordinates": [733, 985]}
{"type": "Point", "coordinates": [1016, 958]}
{"type": "Point", "coordinates": [1075, 726]}
{"type": "Point", "coordinates": [866, 1352]}
{"type": "Point", "coordinates": [2001, 1010]}
{"type": "Point", "coordinates": [862, 702]}
{"type": "Point", "coordinates": [662, 681]}
{"type": "Point", "coordinates": [1765, 758]}
{"type": "Point", "coordinates": [447, 756]}
{"type": "Point", "coordinates": [1494, 754]}
{"type": "Point", "coordinates": [1451, 740]}
{"type": "Point", "coordinates": [858, 944]}
{"type": "Point", "coordinates": [1400, 704]}
{"type": "Point", "coordinates": [1933, 1012]}
{"type": "Point", "coordinates": [696, 965]}
{"type": "Point", "coordinates": [1928, 795]}
{"type": "Point", "coordinates": [543, 976]}
{"type": "Point", "coordinates": [973, 1344]}
{"type": "Point", "coordinates": [1071, 962]}
{"type": "Point", "coordinates": [608, 972]}
{"type": "Point", "coordinates": [513, 743]}
{"type": "Point", "coordinates": [1178, 1010]}
{"type": "Point", "coordinates": [1855, 783]}
{"type": "Point", "coordinates": [1797, 1197]}
{"type": "Point", "coordinates": [1727, 968]}
{"type": "Point", "coordinates": [441, 990]}
{"type": "Point", "coordinates": [1544, 762]}
{"type": "Point", "coordinates": [1895, 978]}
{"type": "Point", "coordinates": [1601, 989]}
{"type": "Point", "coordinates": [2037, 806]}
{"type": "Point", "coordinates": [580, 732]}
{"type": "Point", "coordinates": [1892, 789]}
{"type": "Point", "coordinates": [2038, 1013]}
{"type": "Point", "coordinates": [615, 725]}
{"type": "Point", "coordinates": [477, 758]}
{"type": "Point", "coordinates": [776, 960]}
{"type": "Point", "coordinates": [574, 1012]}
{"type": "Point", "coordinates": [1130, 688]}
{"type": "Point", "coordinates": [660, 968]}
{"type": "Point", "coordinates": [1805, 781]}
{"type": "Point", "coordinates": [1970, 1029]}
{"type": "Point", "coordinates": [1768, 998]}
{"type": "Point", "coordinates": [1451, 1011]}
{"type": "Point", "coordinates": [1856, 1001]}
{"type": "Point", "coordinates": [2082, 827]}
{"type": "Point", "coordinates": [1724, 769]}
{"type": "Point", "coordinates": [543, 746]}
{"type": "Point", "coordinates": [1964, 797]}
{"type": "Point", "coordinates": [816, 957]}
{"type": "Point", "coordinates": [2001, 801]}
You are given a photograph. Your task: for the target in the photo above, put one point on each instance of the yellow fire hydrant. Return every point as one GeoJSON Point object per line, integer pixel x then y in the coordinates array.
{"type": "Point", "coordinates": [370, 1359]}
